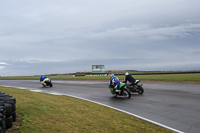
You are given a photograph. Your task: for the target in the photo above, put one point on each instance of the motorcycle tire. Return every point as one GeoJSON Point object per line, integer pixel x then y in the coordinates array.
{"type": "Point", "coordinates": [140, 90]}
{"type": "Point", "coordinates": [114, 94]}
{"type": "Point", "coordinates": [51, 85]}
{"type": "Point", "coordinates": [44, 85]}
{"type": "Point", "coordinates": [126, 93]}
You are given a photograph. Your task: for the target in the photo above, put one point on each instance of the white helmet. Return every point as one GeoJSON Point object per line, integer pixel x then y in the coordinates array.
{"type": "Point", "coordinates": [126, 73]}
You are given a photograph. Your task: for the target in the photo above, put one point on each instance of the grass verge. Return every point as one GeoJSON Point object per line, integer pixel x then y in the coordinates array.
{"type": "Point", "coordinates": [195, 78]}
{"type": "Point", "coordinates": [45, 113]}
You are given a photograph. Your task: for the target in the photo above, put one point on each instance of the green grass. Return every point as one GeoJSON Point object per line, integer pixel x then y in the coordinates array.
{"type": "Point", "coordinates": [194, 77]}
{"type": "Point", "coordinates": [20, 78]}
{"type": "Point", "coordinates": [46, 113]}
{"type": "Point", "coordinates": [169, 77]}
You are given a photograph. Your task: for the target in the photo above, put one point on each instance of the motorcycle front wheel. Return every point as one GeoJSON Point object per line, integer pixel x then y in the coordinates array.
{"type": "Point", "coordinates": [126, 93]}
{"type": "Point", "coordinates": [114, 94]}
{"type": "Point", "coordinates": [51, 85]}
{"type": "Point", "coordinates": [44, 85]}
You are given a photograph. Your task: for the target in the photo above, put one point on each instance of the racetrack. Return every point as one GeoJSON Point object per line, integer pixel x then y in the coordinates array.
{"type": "Point", "coordinates": [174, 105]}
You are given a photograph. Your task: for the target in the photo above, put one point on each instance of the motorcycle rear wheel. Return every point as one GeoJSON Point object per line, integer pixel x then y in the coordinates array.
{"type": "Point", "coordinates": [140, 90]}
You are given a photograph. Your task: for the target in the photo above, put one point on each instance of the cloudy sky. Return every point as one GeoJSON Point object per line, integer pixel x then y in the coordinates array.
{"type": "Point", "coordinates": [63, 36]}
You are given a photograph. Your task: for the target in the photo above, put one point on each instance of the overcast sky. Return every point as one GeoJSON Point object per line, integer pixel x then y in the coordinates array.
{"type": "Point", "coordinates": [64, 36]}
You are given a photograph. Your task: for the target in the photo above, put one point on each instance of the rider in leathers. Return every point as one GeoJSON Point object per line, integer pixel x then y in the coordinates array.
{"type": "Point", "coordinates": [114, 81]}
{"type": "Point", "coordinates": [43, 78]}
{"type": "Point", "coordinates": [130, 79]}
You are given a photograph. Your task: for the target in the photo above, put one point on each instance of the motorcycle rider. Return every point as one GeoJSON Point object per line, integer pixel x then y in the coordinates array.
{"type": "Point", "coordinates": [130, 79]}
{"type": "Point", "coordinates": [114, 81]}
{"type": "Point", "coordinates": [43, 78]}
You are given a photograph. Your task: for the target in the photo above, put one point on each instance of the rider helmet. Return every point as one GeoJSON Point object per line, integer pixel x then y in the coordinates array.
{"type": "Point", "coordinates": [126, 73]}
{"type": "Point", "coordinates": [112, 75]}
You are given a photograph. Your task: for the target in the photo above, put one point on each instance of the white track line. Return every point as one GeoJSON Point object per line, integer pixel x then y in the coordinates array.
{"type": "Point", "coordinates": [140, 117]}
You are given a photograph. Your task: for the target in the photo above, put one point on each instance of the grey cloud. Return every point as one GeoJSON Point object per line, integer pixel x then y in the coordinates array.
{"type": "Point", "coordinates": [67, 36]}
{"type": "Point", "coordinates": [146, 31]}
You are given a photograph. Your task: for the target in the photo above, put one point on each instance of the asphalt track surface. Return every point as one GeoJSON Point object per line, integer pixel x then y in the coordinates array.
{"type": "Point", "coordinates": [175, 106]}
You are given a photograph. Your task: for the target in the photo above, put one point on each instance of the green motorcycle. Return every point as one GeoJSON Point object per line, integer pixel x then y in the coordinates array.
{"type": "Point", "coordinates": [122, 91]}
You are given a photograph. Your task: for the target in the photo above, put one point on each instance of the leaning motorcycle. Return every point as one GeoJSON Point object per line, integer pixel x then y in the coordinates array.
{"type": "Point", "coordinates": [136, 87]}
{"type": "Point", "coordinates": [47, 82]}
{"type": "Point", "coordinates": [122, 91]}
